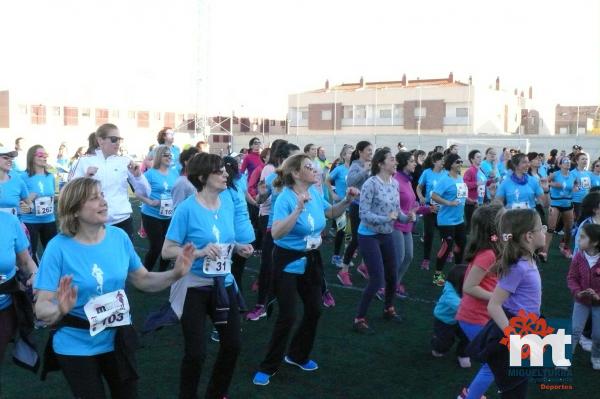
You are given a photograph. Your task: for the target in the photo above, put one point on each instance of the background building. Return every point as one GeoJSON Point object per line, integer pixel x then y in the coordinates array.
{"type": "Point", "coordinates": [577, 119]}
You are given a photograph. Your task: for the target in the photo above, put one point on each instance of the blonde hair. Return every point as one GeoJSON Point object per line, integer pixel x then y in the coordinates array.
{"type": "Point", "coordinates": [158, 154]}
{"type": "Point", "coordinates": [72, 197]}
{"type": "Point", "coordinates": [284, 172]}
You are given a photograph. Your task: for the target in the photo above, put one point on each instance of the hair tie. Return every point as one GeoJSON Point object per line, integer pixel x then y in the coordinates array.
{"type": "Point", "coordinates": [493, 238]}
{"type": "Point", "coordinates": [506, 237]}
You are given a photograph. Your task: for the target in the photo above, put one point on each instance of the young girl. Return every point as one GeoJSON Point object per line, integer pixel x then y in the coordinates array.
{"type": "Point", "coordinates": [519, 288]}
{"type": "Point", "coordinates": [445, 327]}
{"type": "Point", "coordinates": [481, 253]}
{"type": "Point", "coordinates": [584, 283]}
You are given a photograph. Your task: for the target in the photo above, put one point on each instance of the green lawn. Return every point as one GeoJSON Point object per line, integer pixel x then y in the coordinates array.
{"type": "Point", "coordinates": [393, 363]}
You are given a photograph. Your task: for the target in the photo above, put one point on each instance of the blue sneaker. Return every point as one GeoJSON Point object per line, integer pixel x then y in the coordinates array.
{"type": "Point", "coordinates": [336, 260]}
{"type": "Point", "coordinates": [308, 366]}
{"type": "Point", "coordinates": [261, 378]}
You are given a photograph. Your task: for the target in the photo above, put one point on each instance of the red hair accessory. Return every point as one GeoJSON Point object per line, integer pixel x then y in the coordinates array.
{"type": "Point", "coordinates": [494, 238]}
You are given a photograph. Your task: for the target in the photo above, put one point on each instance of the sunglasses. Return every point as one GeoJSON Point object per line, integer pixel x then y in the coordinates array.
{"type": "Point", "coordinates": [114, 139]}
{"type": "Point", "coordinates": [167, 156]}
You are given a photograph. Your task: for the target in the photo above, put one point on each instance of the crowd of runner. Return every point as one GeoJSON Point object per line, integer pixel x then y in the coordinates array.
{"type": "Point", "coordinates": [65, 259]}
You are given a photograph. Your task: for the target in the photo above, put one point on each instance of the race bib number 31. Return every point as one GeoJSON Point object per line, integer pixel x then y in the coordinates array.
{"type": "Point", "coordinates": [222, 265]}
{"type": "Point", "coordinates": [108, 310]}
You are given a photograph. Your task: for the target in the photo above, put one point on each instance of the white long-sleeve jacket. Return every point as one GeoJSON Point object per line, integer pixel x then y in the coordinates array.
{"type": "Point", "coordinates": [113, 174]}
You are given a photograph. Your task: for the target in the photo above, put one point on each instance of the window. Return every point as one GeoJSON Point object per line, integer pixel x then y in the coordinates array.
{"type": "Point", "coordinates": [398, 111]}
{"type": "Point", "coordinates": [348, 111]}
{"type": "Point", "coordinates": [462, 112]}
{"type": "Point", "coordinates": [71, 115]}
{"type": "Point", "coordinates": [420, 112]}
{"type": "Point", "coordinates": [226, 139]}
{"type": "Point", "coordinates": [114, 114]}
{"type": "Point", "coordinates": [273, 122]}
{"type": "Point", "coordinates": [282, 123]}
{"type": "Point", "coordinates": [38, 115]}
{"type": "Point", "coordinates": [360, 112]}
{"type": "Point", "coordinates": [85, 112]}
{"type": "Point", "coordinates": [170, 119]}
{"type": "Point", "coordinates": [304, 115]}
{"type": "Point", "coordinates": [216, 138]}
{"type": "Point", "coordinates": [101, 116]}
{"type": "Point", "coordinates": [385, 113]}
{"type": "Point", "coordinates": [143, 119]}
{"type": "Point", "coordinates": [23, 109]}
{"type": "Point", "coordinates": [326, 115]}
{"type": "Point", "coordinates": [157, 116]}
{"type": "Point", "coordinates": [55, 111]}
{"type": "Point", "coordinates": [131, 114]}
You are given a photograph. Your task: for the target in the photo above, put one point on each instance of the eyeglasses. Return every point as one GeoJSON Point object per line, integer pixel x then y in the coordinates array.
{"type": "Point", "coordinates": [114, 139]}
{"type": "Point", "coordinates": [256, 142]}
{"type": "Point", "coordinates": [167, 156]}
{"type": "Point", "coordinates": [543, 229]}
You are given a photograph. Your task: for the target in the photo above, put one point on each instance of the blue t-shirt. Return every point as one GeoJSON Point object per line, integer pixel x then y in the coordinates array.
{"type": "Point", "coordinates": [595, 180]}
{"type": "Point", "coordinates": [274, 194]}
{"type": "Point", "coordinates": [584, 179]}
{"type": "Point", "coordinates": [519, 195]}
{"type": "Point", "coordinates": [450, 189]}
{"type": "Point", "coordinates": [12, 191]}
{"type": "Point", "coordinates": [563, 196]}
{"type": "Point", "coordinates": [338, 177]}
{"type": "Point", "coordinates": [244, 232]}
{"type": "Point", "coordinates": [12, 242]}
{"type": "Point", "coordinates": [43, 186]}
{"type": "Point", "coordinates": [175, 164]}
{"type": "Point", "coordinates": [194, 223]}
{"type": "Point", "coordinates": [487, 168]}
{"type": "Point", "coordinates": [97, 269]}
{"type": "Point", "coordinates": [309, 224]}
{"type": "Point", "coordinates": [160, 186]}
{"type": "Point", "coordinates": [429, 180]}
{"type": "Point", "coordinates": [481, 194]}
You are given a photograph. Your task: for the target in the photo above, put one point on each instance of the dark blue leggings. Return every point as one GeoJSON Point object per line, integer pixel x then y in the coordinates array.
{"type": "Point", "coordinates": [378, 253]}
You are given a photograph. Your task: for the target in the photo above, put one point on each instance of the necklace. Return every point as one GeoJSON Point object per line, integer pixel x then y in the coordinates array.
{"type": "Point", "coordinates": [214, 211]}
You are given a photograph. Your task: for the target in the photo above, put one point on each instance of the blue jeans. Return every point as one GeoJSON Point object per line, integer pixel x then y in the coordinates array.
{"type": "Point", "coordinates": [404, 251]}
{"type": "Point", "coordinates": [581, 313]}
{"type": "Point", "coordinates": [484, 377]}
{"type": "Point", "coordinates": [379, 254]}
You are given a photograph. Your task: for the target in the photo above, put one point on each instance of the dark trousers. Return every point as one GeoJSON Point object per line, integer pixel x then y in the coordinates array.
{"type": "Point", "coordinates": [198, 304]}
{"type": "Point", "coordinates": [84, 374]}
{"type": "Point", "coordinates": [156, 230]}
{"type": "Point", "coordinates": [469, 210]}
{"type": "Point", "coordinates": [266, 269]}
{"type": "Point", "coordinates": [127, 226]}
{"type": "Point", "coordinates": [379, 254]}
{"type": "Point", "coordinates": [577, 210]}
{"type": "Point", "coordinates": [353, 244]}
{"type": "Point", "coordinates": [43, 232]}
{"type": "Point", "coordinates": [445, 335]}
{"type": "Point", "coordinates": [451, 236]}
{"type": "Point", "coordinates": [540, 210]}
{"type": "Point", "coordinates": [8, 328]}
{"type": "Point", "coordinates": [510, 387]}
{"type": "Point", "coordinates": [304, 337]}
{"type": "Point", "coordinates": [253, 214]}
{"type": "Point", "coordinates": [339, 240]}
{"type": "Point", "coordinates": [429, 225]}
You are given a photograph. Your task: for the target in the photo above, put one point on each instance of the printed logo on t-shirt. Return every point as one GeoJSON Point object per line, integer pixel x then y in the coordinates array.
{"type": "Point", "coordinates": [98, 275]}
{"type": "Point", "coordinates": [586, 183]}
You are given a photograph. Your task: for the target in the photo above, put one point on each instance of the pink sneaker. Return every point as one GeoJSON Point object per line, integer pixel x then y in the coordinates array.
{"type": "Point", "coordinates": [255, 286]}
{"type": "Point", "coordinates": [425, 264]}
{"type": "Point", "coordinates": [363, 271]}
{"type": "Point", "coordinates": [142, 233]}
{"type": "Point", "coordinates": [257, 313]}
{"type": "Point", "coordinates": [328, 300]}
{"type": "Point", "coordinates": [344, 278]}
{"type": "Point", "coordinates": [567, 253]}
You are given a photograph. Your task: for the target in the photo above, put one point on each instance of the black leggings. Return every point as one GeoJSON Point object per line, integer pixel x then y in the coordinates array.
{"type": "Point", "coordinates": [353, 244]}
{"type": "Point", "coordinates": [42, 231]}
{"type": "Point", "coordinates": [469, 210]}
{"type": "Point", "coordinates": [127, 226]}
{"type": "Point", "coordinates": [198, 304]}
{"type": "Point", "coordinates": [156, 230]}
{"type": "Point", "coordinates": [339, 240]}
{"type": "Point", "coordinates": [429, 225]}
{"type": "Point", "coordinates": [238, 264]}
{"type": "Point", "coordinates": [451, 236]}
{"type": "Point", "coordinates": [266, 269]}
{"type": "Point", "coordinates": [84, 376]}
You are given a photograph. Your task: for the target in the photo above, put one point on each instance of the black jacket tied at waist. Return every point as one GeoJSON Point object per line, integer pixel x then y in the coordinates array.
{"type": "Point", "coordinates": [24, 353]}
{"type": "Point", "coordinates": [283, 257]}
{"type": "Point", "coordinates": [126, 343]}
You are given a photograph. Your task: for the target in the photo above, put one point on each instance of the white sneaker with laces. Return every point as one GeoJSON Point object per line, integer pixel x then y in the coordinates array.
{"type": "Point", "coordinates": [586, 343]}
{"type": "Point", "coordinates": [596, 363]}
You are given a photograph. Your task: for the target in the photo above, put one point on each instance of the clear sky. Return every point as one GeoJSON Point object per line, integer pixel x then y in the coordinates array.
{"type": "Point", "coordinates": [133, 53]}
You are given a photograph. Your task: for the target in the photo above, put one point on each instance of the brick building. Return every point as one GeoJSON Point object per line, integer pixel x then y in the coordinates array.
{"type": "Point", "coordinates": [577, 119]}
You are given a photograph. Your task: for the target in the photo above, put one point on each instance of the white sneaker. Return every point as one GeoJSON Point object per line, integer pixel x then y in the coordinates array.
{"type": "Point", "coordinates": [596, 363]}
{"type": "Point", "coordinates": [464, 362]}
{"type": "Point", "coordinates": [586, 343]}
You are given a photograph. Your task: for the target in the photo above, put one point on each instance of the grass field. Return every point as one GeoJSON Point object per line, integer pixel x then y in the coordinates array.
{"type": "Point", "coordinates": [394, 363]}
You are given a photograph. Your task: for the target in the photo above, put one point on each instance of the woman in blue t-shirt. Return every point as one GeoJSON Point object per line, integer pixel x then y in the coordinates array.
{"type": "Point", "coordinates": [583, 178]}
{"type": "Point", "coordinates": [13, 257]}
{"type": "Point", "coordinates": [14, 197]}
{"type": "Point", "coordinates": [563, 185]}
{"type": "Point", "coordinates": [41, 186]}
{"type": "Point", "coordinates": [154, 191]}
{"type": "Point", "coordinates": [427, 182]}
{"type": "Point", "coordinates": [81, 291]}
{"type": "Point", "coordinates": [208, 220]}
{"type": "Point", "coordinates": [298, 220]}
{"type": "Point", "coordinates": [519, 190]}
{"type": "Point", "coordinates": [451, 193]}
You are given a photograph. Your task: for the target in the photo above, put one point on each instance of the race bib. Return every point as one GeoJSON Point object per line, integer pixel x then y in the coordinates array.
{"type": "Point", "coordinates": [108, 310]}
{"type": "Point", "coordinates": [12, 211]}
{"type": "Point", "coordinates": [520, 205]}
{"type": "Point", "coordinates": [313, 242]}
{"type": "Point", "coordinates": [461, 190]}
{"type": "Point", "coordinates": [340, 222]}
{"type": "Point", "coordinates": [166, 207]}
{"type": "Point", "coordinates": [586, 183]}
{"type": "Point", "coordinates": [222, 265]}
{"type": "Point", "coordinates": [43, 206]}
{"type": "Point", "coordinates": [481, 191]}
